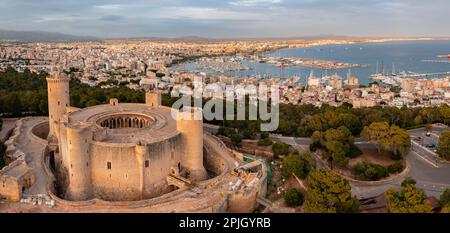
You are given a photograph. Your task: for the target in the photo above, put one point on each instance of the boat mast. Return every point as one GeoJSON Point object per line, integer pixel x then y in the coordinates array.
{"type": "Point", "coordinates": [377, 72]}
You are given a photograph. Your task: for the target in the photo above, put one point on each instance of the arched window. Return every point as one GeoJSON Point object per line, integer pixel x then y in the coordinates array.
{"type": "Point", "coordinates": [118, 122]}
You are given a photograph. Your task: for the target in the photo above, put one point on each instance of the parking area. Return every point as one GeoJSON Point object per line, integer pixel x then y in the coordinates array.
{"type": "Point", "coordinates": [426, 139]}
{"type": "Point", "coordinates": [425, 144]}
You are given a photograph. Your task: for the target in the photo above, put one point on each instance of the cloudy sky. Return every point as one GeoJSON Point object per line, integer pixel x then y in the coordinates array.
{"type": "Point", "coordinates": [228, 18]}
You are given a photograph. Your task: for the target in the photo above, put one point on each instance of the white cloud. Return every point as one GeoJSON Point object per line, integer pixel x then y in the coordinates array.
{"type": "Point", "coordinates": [204, 13]}
{"type": "Point", "coordinates": [110, 6]}
{"type": "Point", "coordinates": [250, 3]}
{"type": "Point", "coordinates": [66, 18]}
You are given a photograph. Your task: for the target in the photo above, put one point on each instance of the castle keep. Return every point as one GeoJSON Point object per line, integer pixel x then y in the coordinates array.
{"type": "Point", "coordinates": [120, 151]}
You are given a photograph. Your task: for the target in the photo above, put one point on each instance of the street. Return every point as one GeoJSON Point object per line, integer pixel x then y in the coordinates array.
{"type": "Point", "coordinates": [431, 173]}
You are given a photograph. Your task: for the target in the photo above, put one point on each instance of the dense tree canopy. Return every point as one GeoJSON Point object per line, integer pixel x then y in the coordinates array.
{"type": "Point", "coordinates": [329, 193]}
{"type": "Point", "coordinates": [389, 138]}
{"type": "Point", "coordinates": [409, 200]}
{"type": "Point", "coordinates": [338, 144]}
{"type": "Point", "coordinates": [25, 93]}
{"type": "Point", "coordinates": [304, 120]}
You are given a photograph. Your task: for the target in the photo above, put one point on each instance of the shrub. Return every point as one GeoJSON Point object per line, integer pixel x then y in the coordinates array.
{"type": "Point", "coordinates": [264, 135]}
{"type": "Point", "coordinates": [294, 197]}
{"type": "Point", "coordinates": [395, 168]}
{"type": "Point", "coordinates": [408, 181]}
{"type": "Point", "coordinates": [246, 134]}
{"type": "Point", "coordinates": [227, 132]}
{"type": "Point", "coordinates": [236, 139]}
{"type": "Point", "coordinates": [354, 152]}
{"type": "Point", "coordinates": [370, 171]}
{"type": "Point", "coordinates": [296, 164]}
{"type": "Point", "coordinates": [265, 142]}
{"type": "Point", "coordinates": [315, 146]}
{"type": "Point", "coordinates": [445, 198]}
{"type": "Point", "coordinates": [280, 148]}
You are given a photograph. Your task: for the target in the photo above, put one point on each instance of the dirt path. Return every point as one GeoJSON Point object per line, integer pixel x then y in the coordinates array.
{"type": "Point", "coordinates": [8, 125]}
{"type": "Point", "coordinates": [33, 151]}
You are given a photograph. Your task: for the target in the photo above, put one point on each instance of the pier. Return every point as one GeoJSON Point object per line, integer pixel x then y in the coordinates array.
{"type": "Point", "coordinates": [437, 61]}
{"type": "Point", "coordinates": [424, 75]}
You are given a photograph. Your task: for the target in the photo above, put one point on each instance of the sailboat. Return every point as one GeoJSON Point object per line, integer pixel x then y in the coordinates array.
{"type": "Point", "coordinates": [379, 76]}
{"type": "Point", "coordinates": [393, 70]}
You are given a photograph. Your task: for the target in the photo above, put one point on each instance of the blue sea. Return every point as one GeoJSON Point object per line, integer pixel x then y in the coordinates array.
{"type": "Point", "coordinates": [395, 56]}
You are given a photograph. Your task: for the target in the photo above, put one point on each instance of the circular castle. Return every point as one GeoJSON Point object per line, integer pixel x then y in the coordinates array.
{"type": "Point", "coordinates": [123, 157]}
{"type": "Point", "coordinates": [121, 152]}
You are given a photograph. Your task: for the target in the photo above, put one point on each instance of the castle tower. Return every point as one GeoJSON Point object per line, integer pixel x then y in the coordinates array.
{"type": "Point", "coordinates": [58, 100]}
{"type": "Point", "coordinates": [153, 99]}
{"type": "Point", "coordinates": [190, 124]}
{"type": "Point", "coordinates": [79, 137]}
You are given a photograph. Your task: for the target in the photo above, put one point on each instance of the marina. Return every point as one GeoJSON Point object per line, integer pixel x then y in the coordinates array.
{"type": "Point", "coordinates": [308, 63]}
{"type": "Point", "coordinates": [366, 61]}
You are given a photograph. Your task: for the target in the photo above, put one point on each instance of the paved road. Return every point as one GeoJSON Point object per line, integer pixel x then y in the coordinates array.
{"type": "Point", "coordinates": [431, 175]}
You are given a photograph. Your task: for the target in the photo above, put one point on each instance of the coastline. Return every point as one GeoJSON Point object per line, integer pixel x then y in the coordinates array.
{"type": "Point", "coordinates": [409, 62]}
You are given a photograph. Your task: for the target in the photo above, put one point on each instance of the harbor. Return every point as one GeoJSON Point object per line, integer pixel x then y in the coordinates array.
{"type": "Point", "coordinates": [308, 63]}
{"type": "Point", "coordinates": [368, 62]}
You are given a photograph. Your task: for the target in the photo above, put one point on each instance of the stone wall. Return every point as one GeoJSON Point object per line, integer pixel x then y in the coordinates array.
{"type": "Point", "coordinates": [243, 201]}
{"type": "Point", "coordinates": [10, 188]}
{"type": "Point", "coordinates": [17, 175]}
{"type": "Point", "coordinates": [251, 147]}
{"type": "Point", "coordinates": [207, 201]}
{"type": "Point", "coordinates": [41, 130]}
{"type": "Point", "coordinates": [206, 197]}
{"type": "Point", "coordinates": [123, 172]}
{"type": "Point", "coordinates": [12, 153]}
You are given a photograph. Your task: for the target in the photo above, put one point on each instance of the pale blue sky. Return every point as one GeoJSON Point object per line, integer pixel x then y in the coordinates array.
{"type": "Point", "coordinates": [228, 18]}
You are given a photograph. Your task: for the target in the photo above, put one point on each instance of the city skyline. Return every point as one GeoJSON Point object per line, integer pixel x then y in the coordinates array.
{"type": "Point", "coordinates": [228, 19]}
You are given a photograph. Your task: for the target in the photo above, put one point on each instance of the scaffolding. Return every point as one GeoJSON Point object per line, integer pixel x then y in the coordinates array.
{"type": "Point", "coordinates": [251, 158]}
